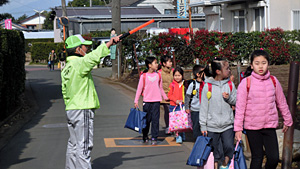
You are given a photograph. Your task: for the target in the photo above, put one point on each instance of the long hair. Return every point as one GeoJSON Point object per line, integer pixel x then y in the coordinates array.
{"type": "Point", "coordinates": [216, 64]}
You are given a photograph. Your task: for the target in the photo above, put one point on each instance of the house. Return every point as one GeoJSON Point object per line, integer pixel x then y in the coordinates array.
{"type": "Point", "coordinates": [14, 26]}
{"type": "Point", "coordinates": [34, 22]}
{"type": "Point", "coordinates": [249, 15]}
{"type": "Point", "coordinates": [83, 20]}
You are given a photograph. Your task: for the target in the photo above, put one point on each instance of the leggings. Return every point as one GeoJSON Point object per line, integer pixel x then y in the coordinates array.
{"type": "Point", "coordinates": [258, 139]}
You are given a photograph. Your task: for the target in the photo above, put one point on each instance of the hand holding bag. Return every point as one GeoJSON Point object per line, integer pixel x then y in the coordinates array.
{"type": "Point", "coordinates": [238, 160]}
{"type": "Point", "coordinates": [136, 120]}
{"type": "Point", "coordinates": [180, 121]}
{"type": "Point", "coordinates": [200, 152]}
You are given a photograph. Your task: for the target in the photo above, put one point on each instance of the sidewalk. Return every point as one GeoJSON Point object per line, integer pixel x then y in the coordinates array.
{"type": "Point", "coordinates": [106, 73]}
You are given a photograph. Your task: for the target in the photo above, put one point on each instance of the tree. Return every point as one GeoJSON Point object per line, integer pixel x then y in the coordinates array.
{"type": "Point", "coordinates": [47, 23]}
{"type": "Point", "coordinates": [82, 3]}
{"type": "Point", "coordinates": [2, 2]}
{"type": "Point", "coordinates": [6, 16]}
{"type": "Point", "coordinates": [21, 18]}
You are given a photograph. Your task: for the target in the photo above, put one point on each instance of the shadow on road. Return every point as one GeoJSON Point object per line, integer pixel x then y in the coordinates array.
{"type": "Point", "coordinates": [43, 91]}
{"type": "Point", "coordinates": [116, 159]}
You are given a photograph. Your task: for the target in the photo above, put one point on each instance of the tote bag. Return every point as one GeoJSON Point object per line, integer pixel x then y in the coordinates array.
{"type": "Point", "coordinates": [180, 121]}
{"type": "Point", "coordinates": [136, 120]}
{"type": "Point", "coordinates": [210, 163]}
{"type": "Point", "coordinates": [200, 152]}
{"type": "Point", "coordinates": [238, 160]}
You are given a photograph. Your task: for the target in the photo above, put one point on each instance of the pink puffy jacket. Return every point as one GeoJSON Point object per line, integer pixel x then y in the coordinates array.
{"type": "Point", "coordinates": [257, 109]}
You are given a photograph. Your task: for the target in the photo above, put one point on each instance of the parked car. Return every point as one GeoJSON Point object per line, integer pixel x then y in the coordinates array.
{"type": "Point", "coordinates": [105, 61]}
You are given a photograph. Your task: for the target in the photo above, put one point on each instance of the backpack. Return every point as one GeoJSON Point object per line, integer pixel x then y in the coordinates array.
{"type": "Point", "coordinates": [249, 80]}
{"type": "Point", "coordinates": [188, 82]}
{"type": "Point", "coordinates": [144, 80]}
{"type": "Point", "coordinates": [210, 89]}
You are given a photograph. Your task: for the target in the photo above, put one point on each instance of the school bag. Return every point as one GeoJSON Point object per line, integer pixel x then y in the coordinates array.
{"type": "Point", "coordinates": [249, 80]}
{"type": "Point", "coordinates": [193, 93]}
{"type": "Point", "coordinates": [200, 151]}
{"type": "Point", "coordinates": [209, 85]}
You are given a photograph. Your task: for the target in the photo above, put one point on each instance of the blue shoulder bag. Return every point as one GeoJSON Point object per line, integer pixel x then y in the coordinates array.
{"type": "Point", "coordinates": [200, 151]}
{"type": "Point", "coordinates": [136, 120]}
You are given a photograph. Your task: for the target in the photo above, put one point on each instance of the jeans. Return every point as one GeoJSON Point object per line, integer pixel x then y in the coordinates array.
{"type": "Point", "coordinates": [225, 140]}
{"type": "Point", "coordinates": [258, 139]}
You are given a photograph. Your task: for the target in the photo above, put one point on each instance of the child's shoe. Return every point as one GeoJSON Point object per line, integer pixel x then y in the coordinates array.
{"type": "Point", "coordinates": [224, 167]}
{"type": "Point", "coordinates": [179, 139]}
{"type": "Point", "coordinates": [145, 139]}
{"type": "Point", "coordinates": [167, 132]}
{"type": "Point", "coordinates": [153, 142]}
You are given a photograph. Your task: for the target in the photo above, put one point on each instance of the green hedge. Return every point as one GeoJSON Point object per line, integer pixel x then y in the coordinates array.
{"type": "Point", "coordinates": [40, 50]}
{"type": "Point", "coordinates": [27, 41]}
{"type": "Point", "coordinates": [12, 70]}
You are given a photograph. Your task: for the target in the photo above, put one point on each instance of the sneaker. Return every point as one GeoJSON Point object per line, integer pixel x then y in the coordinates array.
{"type": "Point", "coordinates": [167, 132]}
{"type": "Point", "coordinates": [224, 167]}
{"type": "Point", "coordinates": [145, 139]}
{"type": "Point", "coordinates": [153, 142]}
{"type": "Point", "coordinates": [179, 139]}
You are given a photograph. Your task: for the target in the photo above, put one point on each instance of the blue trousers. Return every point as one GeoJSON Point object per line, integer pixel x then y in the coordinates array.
{"type": "Point", "coordinates": [223, 144]}
{"type": "Point", "coordinates": [153, 112]}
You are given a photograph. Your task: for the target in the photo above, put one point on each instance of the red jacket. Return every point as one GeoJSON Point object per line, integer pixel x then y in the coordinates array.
{"type": "Point", "coordinates": [176, 92]}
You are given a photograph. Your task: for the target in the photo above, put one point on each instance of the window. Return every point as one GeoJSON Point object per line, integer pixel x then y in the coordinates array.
{"type": "Point", "coordinates": [239, 21]}
{"type": "Point", "coordinates": [259, 19]}
{"type": "Point", "coordinates": [296, 20]}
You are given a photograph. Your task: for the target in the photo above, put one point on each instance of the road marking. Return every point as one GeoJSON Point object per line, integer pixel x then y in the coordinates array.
{"type": "Point", "coordinates": [162, 142]}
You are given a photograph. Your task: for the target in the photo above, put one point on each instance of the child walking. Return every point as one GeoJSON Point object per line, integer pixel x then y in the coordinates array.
{"type": "Point", "coordinates": [167, 77]}
{"type": "Point", "coordinates": [193, 98]}
{"type": "Point", "coordinates": [216, 114]}
{"type": "Point", "coordinates": [150, 85]}
{"type": "Point", "coordinates": [256, 112]}
{"type": "Point", "coordinates": [176, 96]}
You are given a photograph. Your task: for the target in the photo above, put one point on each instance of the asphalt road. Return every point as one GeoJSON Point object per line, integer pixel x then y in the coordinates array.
{"type": "Point", "coordinates": [41, 143]}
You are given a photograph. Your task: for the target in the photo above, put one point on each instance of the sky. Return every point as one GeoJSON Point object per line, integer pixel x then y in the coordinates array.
{"type": "Point", "coordinates": [18, 8]}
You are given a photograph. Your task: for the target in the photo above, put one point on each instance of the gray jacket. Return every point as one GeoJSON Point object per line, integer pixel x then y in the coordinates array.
{"type": "Point", "coordinates": [216, 114]}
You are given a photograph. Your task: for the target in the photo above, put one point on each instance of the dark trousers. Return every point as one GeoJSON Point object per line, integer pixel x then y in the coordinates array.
{"type": "Point", "coordinates": [263, 138]}
{"type": "Point", "coordinates": [166, 115]}
{"type": "Point", "coordinates": [51, 65]}
{"type": "Point", "coordinates": [153, 111]}
{"type": "Point", "coordinates": [225, 140]}
{"type": "Point", "coordinates": [196, 125]}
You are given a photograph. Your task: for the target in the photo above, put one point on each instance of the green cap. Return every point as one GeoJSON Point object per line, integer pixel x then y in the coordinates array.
{"type": "Point", "coordinates": [76, 40]}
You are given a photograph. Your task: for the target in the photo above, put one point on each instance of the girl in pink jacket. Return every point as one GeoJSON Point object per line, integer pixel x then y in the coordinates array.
{"type": "Point", "coordinates": [256, 112]}
{"type": "Point", "coordinates": [150, 85]}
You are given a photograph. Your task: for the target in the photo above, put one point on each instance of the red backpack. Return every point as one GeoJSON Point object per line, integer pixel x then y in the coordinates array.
{"type": "Point", "coordinates": [210, 86]}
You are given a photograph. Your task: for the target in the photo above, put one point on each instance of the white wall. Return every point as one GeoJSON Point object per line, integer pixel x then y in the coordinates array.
{"type": "Point", "coordinates": [281, 13]}
{"type": "Point", "coordinates": [160, 5]}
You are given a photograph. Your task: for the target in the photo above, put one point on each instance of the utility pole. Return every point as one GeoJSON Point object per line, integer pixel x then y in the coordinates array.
{"type": "Point", "coordinates": [190, 17]}
{"type": "Point", "coordinates": [116, 23]}
{"type": "Point", "coordinates": [64, 14]}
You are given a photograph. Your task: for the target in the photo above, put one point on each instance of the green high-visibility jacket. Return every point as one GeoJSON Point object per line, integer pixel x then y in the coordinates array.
{"type": "Point", "coordinates": [78, 87]}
